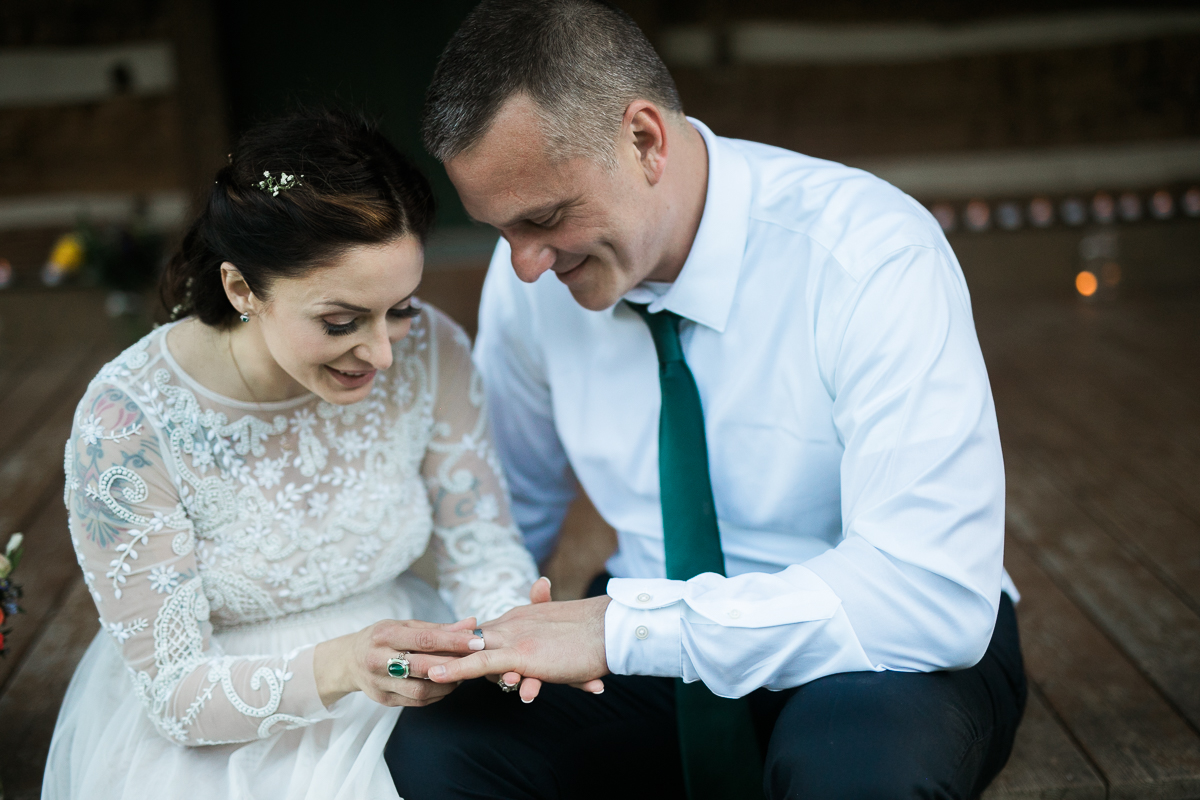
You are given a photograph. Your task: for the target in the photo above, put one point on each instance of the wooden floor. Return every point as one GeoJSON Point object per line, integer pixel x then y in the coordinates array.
{"type": "Point", "coordinates": [1099, 408]}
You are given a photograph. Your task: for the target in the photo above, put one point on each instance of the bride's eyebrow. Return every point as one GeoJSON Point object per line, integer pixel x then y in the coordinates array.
{"type": "Point", "coordinates": [360, 309]}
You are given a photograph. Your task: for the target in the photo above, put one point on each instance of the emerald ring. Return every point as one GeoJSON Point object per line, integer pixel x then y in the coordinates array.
{"type": "Point", "coordinates": [398, 666]}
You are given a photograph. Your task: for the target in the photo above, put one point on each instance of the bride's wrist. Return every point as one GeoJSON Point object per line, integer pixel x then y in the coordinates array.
{"type": "Point", "coordinates": [330, 670]}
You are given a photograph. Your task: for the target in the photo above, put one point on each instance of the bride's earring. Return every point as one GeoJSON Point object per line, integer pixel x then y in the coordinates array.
{"type": "Point", "coordinates": [245, 318]}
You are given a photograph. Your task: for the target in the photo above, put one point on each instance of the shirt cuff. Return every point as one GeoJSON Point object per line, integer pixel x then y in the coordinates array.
{"type": "Point", "coordinates": [643, 627]}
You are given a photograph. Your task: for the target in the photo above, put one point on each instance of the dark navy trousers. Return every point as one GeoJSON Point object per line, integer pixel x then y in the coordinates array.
{"type": "Point", "coordinates": [852, 735]}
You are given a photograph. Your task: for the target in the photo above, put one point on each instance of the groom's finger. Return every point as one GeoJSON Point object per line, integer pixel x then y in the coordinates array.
{"type": "Point", "coordinates": [529, 689]}
{"type": "Point", "coordinates": [468, 624]}
{"type": "Point", "coordinates": [540, 592]}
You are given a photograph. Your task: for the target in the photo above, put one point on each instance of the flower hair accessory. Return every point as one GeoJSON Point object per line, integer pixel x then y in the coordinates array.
{"type": "Point", "coordinates": [284, 183]}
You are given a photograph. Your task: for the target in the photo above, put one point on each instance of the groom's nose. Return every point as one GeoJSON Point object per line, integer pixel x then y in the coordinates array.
{"type": "Point", "coordinates": [530, 256]}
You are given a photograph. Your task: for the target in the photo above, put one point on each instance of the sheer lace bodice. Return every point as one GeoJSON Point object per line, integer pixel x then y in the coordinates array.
{"type": "Point", "coordinates": [190, 512]}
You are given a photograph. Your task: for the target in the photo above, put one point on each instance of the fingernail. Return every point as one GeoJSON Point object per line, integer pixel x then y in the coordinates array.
{"type": "Point", "coordinates": [547, 580]}
{"type": "Point", "coordinates": [437, 672]}
{"type": "Point", "coordinates": [599, 692]}
{"type": "Point", "coordinates": [523, 700]}
{"type": "Point", "coordinates": [476, 644]}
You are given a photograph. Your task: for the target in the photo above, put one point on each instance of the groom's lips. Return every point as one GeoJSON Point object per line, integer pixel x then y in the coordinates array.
{"type": "Point", "coordinates": [566, 276]}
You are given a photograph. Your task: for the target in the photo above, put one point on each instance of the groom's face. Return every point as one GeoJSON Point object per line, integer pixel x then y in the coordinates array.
{"type": "Point", "coordinates": [592, 226]}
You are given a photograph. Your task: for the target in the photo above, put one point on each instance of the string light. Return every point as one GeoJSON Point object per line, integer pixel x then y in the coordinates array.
{"type": "Point", "coordinates": [1110, 274]}
{"type": "Point", "coordinates": [979, 215]}
{"type": "Point", "coordinates": [1103, 208]}
{"type": "Point", "coordinates": [1041, 212]}
{"type": "Point", "coordinates": [1086, 284]}
{"type": "Point", "coordinates": [1191, 202]}
{"type": "Point", "coordinates": [1073, 212]}
{"type": "Point", "coordinates": [944, 214]}
{"type": "Point", "coordinates": [1162, 205]}
{"type": "Point", "coordinates": [1130, 206]}
{"type": "Point", "coordinates": [1008, 216]}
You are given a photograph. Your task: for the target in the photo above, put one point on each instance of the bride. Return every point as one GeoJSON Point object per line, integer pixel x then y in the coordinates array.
{"type": "Point", "coordinates": [247, 487]}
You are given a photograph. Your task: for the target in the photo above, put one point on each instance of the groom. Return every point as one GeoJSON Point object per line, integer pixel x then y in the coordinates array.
{"type": "Point", "coordinates": [763, 370]}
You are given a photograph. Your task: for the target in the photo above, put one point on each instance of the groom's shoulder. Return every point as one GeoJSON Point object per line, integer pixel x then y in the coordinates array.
{"type": "Point", "coordinates": [857, 217]}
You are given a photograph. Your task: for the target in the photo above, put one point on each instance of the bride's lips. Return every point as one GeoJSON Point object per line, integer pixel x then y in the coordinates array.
{"type": "Point", "coordinates": [351, 380]}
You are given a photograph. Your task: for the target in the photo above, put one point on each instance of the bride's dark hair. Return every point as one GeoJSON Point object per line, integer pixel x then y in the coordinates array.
{"type": "Point", "coordinates": [350, 186]}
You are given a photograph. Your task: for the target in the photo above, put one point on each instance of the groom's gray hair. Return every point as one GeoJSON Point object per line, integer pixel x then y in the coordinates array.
{"type": "Point", "coordinates": [582, 62]}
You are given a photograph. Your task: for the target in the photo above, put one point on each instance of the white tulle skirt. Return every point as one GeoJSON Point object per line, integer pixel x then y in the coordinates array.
{"type": "Point", "coordinates": [105, 747]}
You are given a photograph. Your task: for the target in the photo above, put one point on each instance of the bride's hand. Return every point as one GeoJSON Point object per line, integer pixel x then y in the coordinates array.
{"type": "Point", "coordinates": [530, 687]}
{"type": "Point", "coordinates": [357, 662]}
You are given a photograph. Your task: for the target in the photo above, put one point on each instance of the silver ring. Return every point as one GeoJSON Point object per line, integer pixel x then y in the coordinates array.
{"type": "Point", "coordinates": [398, 666]}
{"type": "Point", "coordinates": [479, 632]}
{"type": "Point", "coordinates": [507, 687]}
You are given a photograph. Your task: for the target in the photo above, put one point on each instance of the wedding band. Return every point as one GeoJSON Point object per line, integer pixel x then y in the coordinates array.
{"type": "Point", "coordinates": [398, 666]}
{"type": "Point", "coordinates": [507, 687]}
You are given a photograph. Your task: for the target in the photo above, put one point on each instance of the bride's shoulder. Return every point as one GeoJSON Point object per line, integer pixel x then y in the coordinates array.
{"type": "Point", "coordinates": [134, 361]}
{"type": "Point", "coordinates": [129, 369]}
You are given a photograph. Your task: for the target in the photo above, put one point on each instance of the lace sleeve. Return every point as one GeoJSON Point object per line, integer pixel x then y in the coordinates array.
{"type": "Point", "coordinates": [134, 540]}
{"type": "Point", "coordinates": [483, 566]}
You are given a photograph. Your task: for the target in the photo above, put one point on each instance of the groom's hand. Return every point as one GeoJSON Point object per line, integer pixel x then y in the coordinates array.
{"type": "Point", "coordinates": [557, 642]}
{"type": "Point", "coordinates": [530, 687]}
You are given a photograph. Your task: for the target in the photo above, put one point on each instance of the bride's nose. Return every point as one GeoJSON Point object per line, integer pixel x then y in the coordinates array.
{"type": "Point", "coordinates": [376, 349]}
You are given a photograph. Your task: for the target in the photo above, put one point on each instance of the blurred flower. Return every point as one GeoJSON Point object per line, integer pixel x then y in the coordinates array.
{"type": "Point", "coordinates": [66, 258]}
{"type": "Point", "coordinates": [14, 541]}
{"type": "Point", "coordinates": [1041, 212]}
{"type": "Point", "coordinates": [5, 566]}
{"type": "Point", "coordinates": [68, 253]}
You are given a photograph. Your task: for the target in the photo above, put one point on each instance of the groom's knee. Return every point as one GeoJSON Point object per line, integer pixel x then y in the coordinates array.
{"type": "Point", "coordinates": [467, 745]}
{"type": "Point", "coordinates": [867, 735]}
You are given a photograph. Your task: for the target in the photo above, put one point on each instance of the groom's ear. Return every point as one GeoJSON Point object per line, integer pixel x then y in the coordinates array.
{"type": "Point", "coordinates": [646, 134]}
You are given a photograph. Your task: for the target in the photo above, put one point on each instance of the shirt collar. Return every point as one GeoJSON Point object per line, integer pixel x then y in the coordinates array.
{"type": "Point", "coordinates": [703, 292]}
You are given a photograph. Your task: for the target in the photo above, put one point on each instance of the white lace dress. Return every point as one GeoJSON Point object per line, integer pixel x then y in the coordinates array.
{"type": "Point", "coordinates": [222, 540]}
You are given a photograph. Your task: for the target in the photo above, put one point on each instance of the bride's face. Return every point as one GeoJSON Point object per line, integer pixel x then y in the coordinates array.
{"type": "Point", "coordinates": [333, 328]}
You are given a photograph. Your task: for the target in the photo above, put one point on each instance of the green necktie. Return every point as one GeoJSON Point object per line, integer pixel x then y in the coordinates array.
{"type": "Point", "coordinates": [721, 759]}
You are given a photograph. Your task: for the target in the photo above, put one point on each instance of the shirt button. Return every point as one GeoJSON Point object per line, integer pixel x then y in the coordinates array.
{"type": "Point", "coordinates": [735, 614]}
{"type": "Point", "coordinates": [644, 598]}
{"type": "Point", "coordinates": [641, 631]}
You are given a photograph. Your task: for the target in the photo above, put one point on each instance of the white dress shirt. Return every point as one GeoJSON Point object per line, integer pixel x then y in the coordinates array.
{"type": "Point", "coordinates": [851, 434]}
